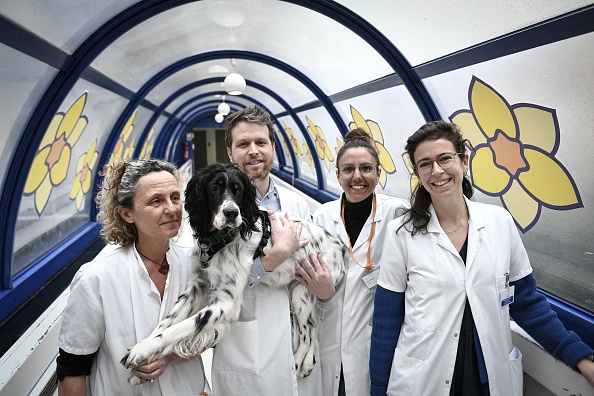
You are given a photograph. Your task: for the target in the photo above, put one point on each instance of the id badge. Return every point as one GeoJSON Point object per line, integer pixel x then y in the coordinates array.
{"type": "Point", "coordinates": [370, 277]}
{"type": "Point", "coordinates": [506, 296]}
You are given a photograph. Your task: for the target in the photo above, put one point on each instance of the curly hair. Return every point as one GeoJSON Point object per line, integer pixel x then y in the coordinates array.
{"type": "Point", "coordinates": [420, 200]}
{"type": "Point", "coordinates": [251, 113]}
{"type": "Point", "coordinates": [118, 190]}
{"type": "Point", "coordinates": [358, 138]}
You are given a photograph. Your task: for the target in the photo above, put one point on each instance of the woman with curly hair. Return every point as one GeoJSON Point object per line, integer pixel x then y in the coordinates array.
{"type": "Point", "coordinates": [117, 299]}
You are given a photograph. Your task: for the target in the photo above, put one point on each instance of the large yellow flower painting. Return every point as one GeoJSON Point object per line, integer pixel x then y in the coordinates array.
{"type": "Point", "coordinates": [514, 158]}
{"type": "Point", "coordinates": [51, 162]}
{"type": "Point", "coordinates": [294, 141]}
{"type": "Point", "coordinates": [308, 156]}
{"type": "Point", "coordinates": [374, 130]}
{"type": "Point", "coordinates": [147, 147]}
{"type": "Point", "coordinates": [119, 151]}
{"type": "Point", "coordinates": [322, 148]}
{"type": "Point", "coordinates": [84, 175]}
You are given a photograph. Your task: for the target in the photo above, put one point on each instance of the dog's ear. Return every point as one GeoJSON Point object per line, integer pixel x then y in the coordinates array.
{"type": "Point", "coordinates": [249, 209]}
{"type": "Point", "coordinates": [196, 204]}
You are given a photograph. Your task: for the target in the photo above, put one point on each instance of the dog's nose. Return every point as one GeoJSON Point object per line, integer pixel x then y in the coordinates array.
{"type": "Point", "coordinates": [230, 214]}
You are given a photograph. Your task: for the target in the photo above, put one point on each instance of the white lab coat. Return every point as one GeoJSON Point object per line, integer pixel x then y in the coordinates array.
{"type": "Point", "coordinates": [429, 270]}
{"type": "Point", "coordinates": [113, 304]}
{"type": "Point", "coordinates": [256, 356]}
{"type": "Point", "coordinates": [346, 322]}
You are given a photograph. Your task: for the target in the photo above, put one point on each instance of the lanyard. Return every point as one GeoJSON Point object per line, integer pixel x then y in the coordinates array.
{"type": "Point", "coordinates": [369, 265]}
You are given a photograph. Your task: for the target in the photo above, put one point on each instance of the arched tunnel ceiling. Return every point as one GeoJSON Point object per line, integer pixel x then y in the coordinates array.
{"type": "Point", "coordinates": [336, 58]}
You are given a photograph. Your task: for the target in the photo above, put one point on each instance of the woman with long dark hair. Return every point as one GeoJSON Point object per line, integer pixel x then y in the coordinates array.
{"type": "Point", "coordinates": [453, 273]}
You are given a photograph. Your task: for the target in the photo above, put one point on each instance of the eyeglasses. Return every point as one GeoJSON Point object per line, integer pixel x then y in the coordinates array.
{"type": "Point", "coordinates": [364, 169]}
{"type": "Point", "coordinates": [445, 161]}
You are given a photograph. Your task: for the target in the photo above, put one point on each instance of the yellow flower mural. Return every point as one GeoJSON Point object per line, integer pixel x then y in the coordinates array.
{"type": "Point", "coordinates": [414, 180]}
{"type": "Point", "coordinates": [514, 157]}
{"type": "Point", "coordinates": [322, 148]}
{"type": "Point", "coordinates": [147, 147]}
{"type": "Point", "coordinates": [373, 129]}
{"type": "Point", "coordinates": [339, 144]}
{"type": "Point", "coordinates": [129, 153]}
{"type": "Point", "coordinates": [308, 156]}
{"type": "Point", "coordinates": [286, 149]}
{"type": "Point", "coordinates": [118, 151]}
{"type": "Point", "coordinates": [50, 165]}
{"type": "Point", "coordinates": [84, 175]}
{"type": "Point", "coordinates": [294, 141]}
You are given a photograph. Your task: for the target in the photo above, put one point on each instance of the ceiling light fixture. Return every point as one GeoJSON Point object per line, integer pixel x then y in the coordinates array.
{"type": "Point", "coordinates": [224, 108]}
{"type": "Point", "coordinates": [219, 118]}
{"type": "Point", "coordinates": [234, 83]}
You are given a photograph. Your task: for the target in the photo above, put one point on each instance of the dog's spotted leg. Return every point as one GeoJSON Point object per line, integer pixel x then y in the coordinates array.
{"type": "Point", "coordinates": [306, 324]}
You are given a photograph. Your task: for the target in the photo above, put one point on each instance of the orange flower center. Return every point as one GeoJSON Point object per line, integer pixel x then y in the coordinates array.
{"type": "Point", "coordinates": [55, 152]}
{"type": "Point", "coordinates": [321, 143]}
{"type": "Point", "coordinates": [84, 173]}
{"type": "Point", "coordinates": [508, 154]}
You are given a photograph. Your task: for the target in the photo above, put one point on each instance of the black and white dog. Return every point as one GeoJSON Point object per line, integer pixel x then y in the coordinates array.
{"type": "Point", "coordinates": [231, 232]}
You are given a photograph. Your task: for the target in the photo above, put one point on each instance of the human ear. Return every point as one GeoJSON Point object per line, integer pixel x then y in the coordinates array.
{"type": "Point", "coordinates": [125, 215]}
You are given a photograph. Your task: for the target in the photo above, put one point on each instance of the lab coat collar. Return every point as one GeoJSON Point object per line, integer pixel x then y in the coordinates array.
{"type": "Point", "coordinates": [476, 222]}
{"type": "Point", "coordinates": [363, 237]}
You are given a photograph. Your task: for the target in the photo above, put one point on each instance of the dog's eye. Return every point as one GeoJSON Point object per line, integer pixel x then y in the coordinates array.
{"type": "Point", "coordinates": [214, 187]}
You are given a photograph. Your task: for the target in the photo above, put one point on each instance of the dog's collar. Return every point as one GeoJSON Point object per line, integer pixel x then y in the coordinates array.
{"type": "Point", "coordinates": [210, 246]}
{"type": "Point", "coordinates": [266, 231]}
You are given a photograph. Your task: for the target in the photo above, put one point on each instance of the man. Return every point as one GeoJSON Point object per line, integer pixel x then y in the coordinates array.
{"type": "Point", "coordinates": [256, 356]}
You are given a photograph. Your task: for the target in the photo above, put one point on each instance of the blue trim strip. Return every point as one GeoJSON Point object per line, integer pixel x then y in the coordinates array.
{"type": "Point", "coordinates": [45, 268]}
{"type": "Point", "coordinates": [26, 42]}
{"type": "Point", "coordinates": [566, 26]}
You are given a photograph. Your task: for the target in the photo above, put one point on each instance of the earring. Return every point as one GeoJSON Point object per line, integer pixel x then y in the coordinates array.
{"type": "Point", "coordinates": [377, 182]}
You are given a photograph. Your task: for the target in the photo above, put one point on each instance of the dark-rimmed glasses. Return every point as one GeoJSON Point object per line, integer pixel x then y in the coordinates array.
{"type": "Point", "coordinates": [366, 169]}
{"type": "Point", "coordinates": [445, 161]}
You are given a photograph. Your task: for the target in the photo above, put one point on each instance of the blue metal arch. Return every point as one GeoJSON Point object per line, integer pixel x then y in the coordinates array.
{"type": "Point", "coordinates": [382, 45]}
{"type": "Point", "coordinates": [107, 34]}
{"type": "Point", "coordinates": [49, 104]}
{"type": "Point", "coordinates": [179, 129]}
{"type": "Point", "coordinates": [225, 54]}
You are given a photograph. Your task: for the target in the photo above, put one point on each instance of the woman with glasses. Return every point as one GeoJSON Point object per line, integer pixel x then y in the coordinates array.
{"type": "Point", "coordinates": [359, 219]}
{"type": "Point", "coordinates": [453, 273]}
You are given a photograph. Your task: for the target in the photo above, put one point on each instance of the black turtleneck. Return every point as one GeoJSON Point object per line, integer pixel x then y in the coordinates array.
{"type": "Point", "coordinates": [355, 216]}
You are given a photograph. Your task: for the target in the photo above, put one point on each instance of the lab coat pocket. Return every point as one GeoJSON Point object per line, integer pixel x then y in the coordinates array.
{"type": "Point", "coordinates": [427, 298]}
{"type": "Point", "coordinates": [237, 351]}
{"type": "Point", "coordinates": [501, 282]}
{"type": "Point", "coordinates": [515, 362]}
{"type": "Point", "coordinates": [404, 375]}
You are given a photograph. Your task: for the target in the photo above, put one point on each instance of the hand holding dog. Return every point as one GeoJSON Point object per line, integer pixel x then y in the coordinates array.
{"type": "Point", "coordinates": [314, 275]}
{"type": "Point", "coordinates": [285, 240]}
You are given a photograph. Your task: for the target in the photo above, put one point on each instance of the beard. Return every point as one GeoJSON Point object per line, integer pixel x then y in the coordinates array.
{"type": "Point", "coordinates": [259, 173]}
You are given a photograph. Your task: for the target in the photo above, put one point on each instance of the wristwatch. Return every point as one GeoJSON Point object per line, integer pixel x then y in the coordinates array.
{"type": "Point", "coordinates": [591, 357]}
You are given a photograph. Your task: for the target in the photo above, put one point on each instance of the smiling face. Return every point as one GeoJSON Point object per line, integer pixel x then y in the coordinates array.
{"type": "Point", "coordinates": [441, 183]}
{"type": "Point", "coordinates": [357, 186]}
{"type": "Point", "coordinates": [157, 207]}
{"type": "Point", "coordinates": [252, 150]}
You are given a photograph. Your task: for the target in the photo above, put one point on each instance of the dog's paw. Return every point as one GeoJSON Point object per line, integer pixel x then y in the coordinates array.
{"type": "Point", "coordinates": [124, 361]}
{"type": "Point", "coordinates": [140, 353]}
{"type": "Point", "coordinates": [305, 359]}
{"type": "Point", "coordinates": [134, 380]}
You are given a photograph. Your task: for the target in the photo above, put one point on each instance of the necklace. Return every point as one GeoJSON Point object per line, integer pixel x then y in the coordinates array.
{"type": "Point", "coordinates": [452, 232]}
{"type": "Point", "coordinates": [163, 267]}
